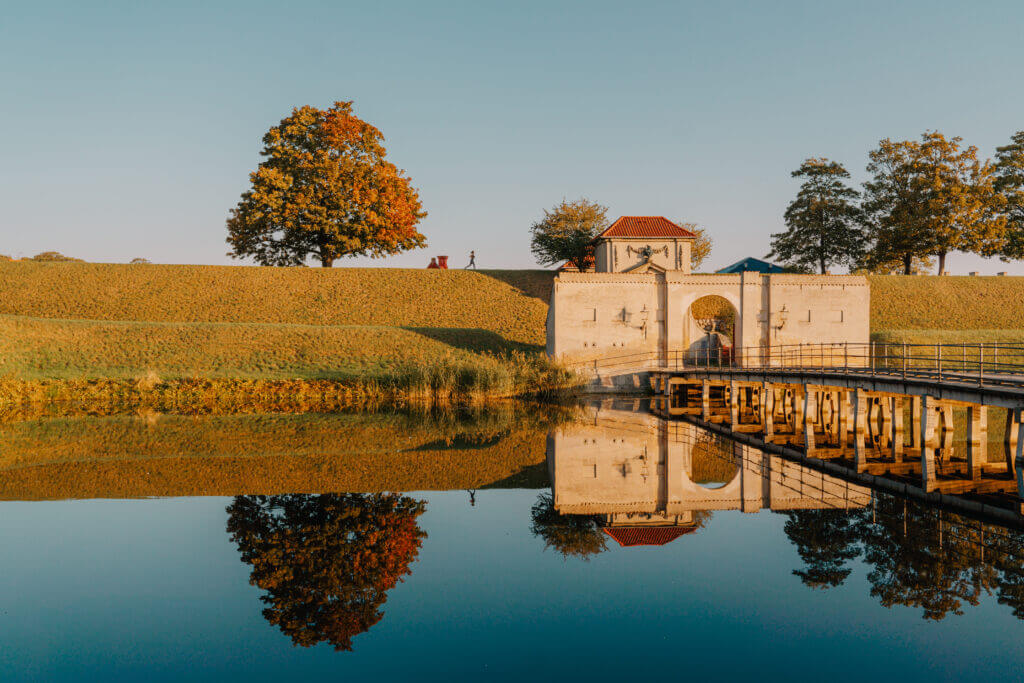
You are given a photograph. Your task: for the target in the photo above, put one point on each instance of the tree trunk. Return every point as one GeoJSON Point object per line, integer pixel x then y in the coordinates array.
{"type": "Point", "coordinates": [907, 261]}
{"type": "Point", "coordinates": [942, 262]}
{"type": "Point", "coordinates": [326, 262]}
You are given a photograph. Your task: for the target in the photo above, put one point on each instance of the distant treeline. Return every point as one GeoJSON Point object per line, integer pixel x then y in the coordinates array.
{"type": "Point", "coordinates": [924, 199]}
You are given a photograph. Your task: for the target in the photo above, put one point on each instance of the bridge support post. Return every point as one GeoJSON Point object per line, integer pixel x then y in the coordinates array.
{"type": "Point", "coordinates": [896, 407]}
{"type": "Point", "coordinates": [928, 474]}
{"type": "Point", "coordinates": [915, 421]}
{"type": "Point", "coordinates": [798, 415]}
{"type": "Point", "coordinates": [768, 410]}
{"type": "Point", "coordinates": [1011, 438]}
{"type": "Point", "coordinates": [1020, 458]}
{"type": "Point", "coordinates": [843, 404]}
{"type": "Point", "coordinates": [885, 433]}
{"type": "Point", "coordinates": [977, 440]}
{"type": "Point", "coordinates": [809, 412]}
{"type": "Point", "coordinates": [734, 404]}
{"type": "Point", "coordinates": [860, 457]}
{"type": "Point", "coordinates": [946, 410]}
{"type": "Point", "coordinates": [705, 400]}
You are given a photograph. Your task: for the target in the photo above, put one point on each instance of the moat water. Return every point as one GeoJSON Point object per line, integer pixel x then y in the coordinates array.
{"type": "Point", "coordinates": [551, 547]}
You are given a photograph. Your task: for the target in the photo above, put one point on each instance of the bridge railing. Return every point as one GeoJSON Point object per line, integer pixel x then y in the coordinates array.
{"type": "Point", "coordinates": [972, 361]}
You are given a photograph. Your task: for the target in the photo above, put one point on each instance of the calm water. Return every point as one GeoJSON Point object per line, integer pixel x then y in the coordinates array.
{"type": "Point", "coordinates": [818, 581]}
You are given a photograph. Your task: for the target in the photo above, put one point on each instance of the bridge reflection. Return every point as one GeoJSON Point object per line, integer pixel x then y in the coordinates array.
{"type": "Point", "coordinates": [628, 475]}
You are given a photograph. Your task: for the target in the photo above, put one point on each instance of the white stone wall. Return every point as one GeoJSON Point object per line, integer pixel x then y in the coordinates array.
{"type": "Point", "coordinates": [602, 315]}
{"type": "Point", "coordinates": [621, 462]}
{"type": "Point", "coordinates": [619, 254]}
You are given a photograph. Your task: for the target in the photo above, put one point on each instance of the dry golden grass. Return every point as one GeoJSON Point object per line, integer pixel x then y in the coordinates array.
{"type": "Point", "coordinates": [174, 455]}
{"type": "Point", "coordinates": [384, 332]}
{"type": "Point", "coordinates": [511, 304]}
{"type": "Point", "coordinates": [923, 302]}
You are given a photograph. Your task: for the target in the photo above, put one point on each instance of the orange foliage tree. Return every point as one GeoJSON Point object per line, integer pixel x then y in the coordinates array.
{"type": "Point", "coordinates": [324, 190]}
{"type": "Point", "coordinates": [326, 561]}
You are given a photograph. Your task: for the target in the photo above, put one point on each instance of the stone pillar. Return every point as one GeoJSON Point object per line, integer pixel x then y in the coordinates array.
{"type": "Point", "coordinates": [947, 430]}
{"type": "Point", "coordinates": [705, 400]}
{"type": "Point", "coordinates": [1011, 437]}
{"type": "Point", "coordinates": [748, 324]}
{"type": "Point", "coordinates": [977, 440]}
{"type": "Point", "coordinates": [928, 474]}
{"type": "Point", "coordinates": [896, 407]}
{"type": "Point", "coordinates": [798, 416]}
{"type": "Point", "coordinates": [843, 405]}
{"type": "Point", "coordinates": [860, 410]}
{"type": "Point", "coordinates": [885, 433]}
{"type": "Point", "coordinates": [810, 399]}
{"type": "Point", "coordinates": [1020, 458]}
{"type": "Point", "coordinates": [734, 404]}
{"type": "Point", "coordinates": [768, 410]}
{"type": "Point", "coordinates": [915, 421]}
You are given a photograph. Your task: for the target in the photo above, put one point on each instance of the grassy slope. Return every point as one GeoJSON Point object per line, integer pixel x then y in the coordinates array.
{"type": "Point", "coordinates": [946, 303]}
{"type": "Point", "coordinates": [64, 320]}
{"type": "Point", "coordinates": [82, 320]}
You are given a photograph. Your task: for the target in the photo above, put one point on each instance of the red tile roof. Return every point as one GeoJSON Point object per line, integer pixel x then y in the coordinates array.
{"type": "Point", "coordinates": [645, 226]}
{"type": "Point", "coordinates": [647, 535]}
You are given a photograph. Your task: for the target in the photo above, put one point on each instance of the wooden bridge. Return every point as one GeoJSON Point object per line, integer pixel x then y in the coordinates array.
{"type": "Point", "coordinates": [915, 414]}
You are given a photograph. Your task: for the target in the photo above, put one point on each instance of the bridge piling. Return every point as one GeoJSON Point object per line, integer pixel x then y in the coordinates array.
{"type": "Point", "coordinates": [859, 415]}
{"type": "Point", "coordinates": [977, 440]}
{"type": "Point", "coordinates": [928, 474]}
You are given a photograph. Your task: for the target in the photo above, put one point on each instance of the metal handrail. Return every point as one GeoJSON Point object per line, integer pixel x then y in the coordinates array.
{"type": "Point", "coordinates": [975, 362]}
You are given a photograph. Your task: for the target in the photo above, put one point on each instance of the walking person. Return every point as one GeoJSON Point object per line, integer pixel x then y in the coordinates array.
{"type": "Point", "coordinates": [472, 261]}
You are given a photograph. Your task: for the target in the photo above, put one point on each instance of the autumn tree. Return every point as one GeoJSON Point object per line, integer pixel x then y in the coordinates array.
{"type": "Point", "coordinates": [327, 561]}
{"type": "Point", "coordinates": [566, 232]}
{"type": "Point", "coordinates": [931, 197]}
{"type": "Point", "coordinates": [324, 190]}
{"type": "Point", "coordinates": [823, 222]}
{"type": "Point", "coordinates": [700, 249]}
{"type": "Point", "coordinates": [1009, 171]}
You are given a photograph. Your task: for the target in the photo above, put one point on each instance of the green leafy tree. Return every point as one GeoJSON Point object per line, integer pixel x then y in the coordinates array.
{"type": "Point", "coordinates": [931, 197]}
{"type": "Point", "coordinates": [826, 541]}
{"type": "Point", "coordinates": [324, 190]}
{"type": "Point", "coordinates": [566, 232]}
{"type": "Point", "coordinates": [571, 535]}
{"type": "Point", "coordinates": [1009, 171]}
{"type": "Point", "coordinates": [327, 561]}
{"type": "Point", "coordinates": [823, 222]}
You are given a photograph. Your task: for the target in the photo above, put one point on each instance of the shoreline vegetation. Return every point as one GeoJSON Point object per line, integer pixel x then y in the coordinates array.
{"type": "Point", "coordinates": [218, 338]}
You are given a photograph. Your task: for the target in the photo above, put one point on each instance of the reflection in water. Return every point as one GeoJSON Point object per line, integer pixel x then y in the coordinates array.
{"type": "Point", "coordinates": [326, 561]}
{"type": "Point", "coordinates": [640, 479]}
{"type": "Point", "coordinates": [928, 559]}
{"type": "Point", "coordinates": [577, 536]}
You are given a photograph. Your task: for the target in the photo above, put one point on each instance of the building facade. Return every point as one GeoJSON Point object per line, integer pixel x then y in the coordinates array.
{"type": "Point", "coordinates": [643, 299]}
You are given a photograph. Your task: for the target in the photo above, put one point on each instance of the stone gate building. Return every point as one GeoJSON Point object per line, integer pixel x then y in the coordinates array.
{"type": "Point", "coordinates": [641, 294]}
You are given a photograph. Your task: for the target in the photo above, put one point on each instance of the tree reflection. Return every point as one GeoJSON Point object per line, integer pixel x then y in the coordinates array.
{"type": "Point", "coordinates": [326, 561]}
{"type": "Point", "coordinates": [826, 541]}
{"type": "Point", "coordinates": [918, 557]}
{"type": "Point", "coordinates": [571, 535]}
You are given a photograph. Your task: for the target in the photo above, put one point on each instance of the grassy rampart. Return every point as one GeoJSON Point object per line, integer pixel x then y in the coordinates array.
{"type": "Point", "coordinates": [384, 333]}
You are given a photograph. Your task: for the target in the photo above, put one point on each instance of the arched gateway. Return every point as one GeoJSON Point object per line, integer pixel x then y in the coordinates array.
{"type": "Point", "coordinates": [638, 301]}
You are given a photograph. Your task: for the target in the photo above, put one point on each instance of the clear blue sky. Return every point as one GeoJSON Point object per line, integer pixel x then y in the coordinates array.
{"type": "Point", "coordinates": [130, 129]}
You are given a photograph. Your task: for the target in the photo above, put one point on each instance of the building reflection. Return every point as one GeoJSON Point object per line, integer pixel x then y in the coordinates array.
{"type": "Point", "coordinates": [625, 475]}
{"type": "Point", "coordinates": [648, 481]}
